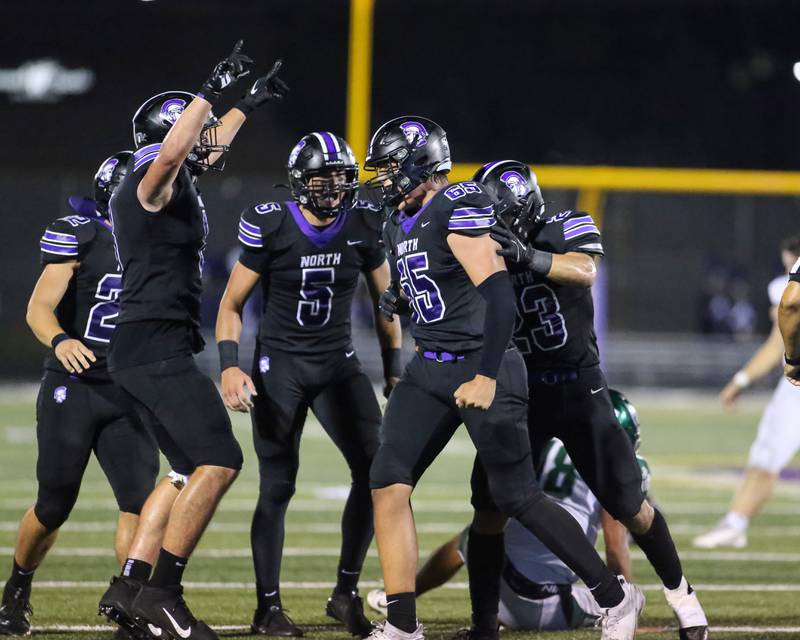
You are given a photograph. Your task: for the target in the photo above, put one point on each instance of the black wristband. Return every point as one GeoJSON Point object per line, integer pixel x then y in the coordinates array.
{"type": "Point", "coordinates": [792, 362]}
{"type": "Point", "coordinates": [245, 107]}
{"type": "Point", "coordinates": [541, 262]}
{"type": "Point", "coordinates": [207, 95]}
{"type": "Point", "coordinates": [58, 338]}
{"type": "Point", "coordinates": [228, 354]}
{"type": "Point", "coordinates": [391, 363]}
{"type": "Point", "coordinates": [498, 326]}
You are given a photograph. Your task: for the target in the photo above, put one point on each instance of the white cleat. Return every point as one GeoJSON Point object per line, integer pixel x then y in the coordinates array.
{"type": "Point", "coordinates": [722, 536]}
{"type": "Point", "coordinates": [692, 621]}
{"type": "Point", "coordinates": [376, 599]}
{"type": "Point", "coordinates": [386, 631]}
{"type": "Point", "coordinates": [619, 623]}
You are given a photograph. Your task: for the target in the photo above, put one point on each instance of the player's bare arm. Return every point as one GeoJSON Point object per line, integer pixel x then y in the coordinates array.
{"type": "Point", "coordinates": [235, 382]}
{"type": "Point", "coordinates": [768, 356]}
{"type": "Point", "coordinates": [41, 318]}
{"type": "Point", "coordinates": [478, 256]}
{"type": "Point", "coordinates": [390, 335]}
{"type": "Point", "coordinates": [789, 323]}
{"type": "Point", "coordinates": [615, 538]}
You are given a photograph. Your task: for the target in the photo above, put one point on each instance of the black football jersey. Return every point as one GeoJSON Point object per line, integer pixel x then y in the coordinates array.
{"type": "Point", "coordinates": [555, 322]}
{"type": "Point", "coordinates": [89, 308]}
{"type": "Point", "coordinates": [308, 274]}
{"type": "Point", "coordinates": [161, 253]}
{"type": "Point", "coordinates": [447, 310]}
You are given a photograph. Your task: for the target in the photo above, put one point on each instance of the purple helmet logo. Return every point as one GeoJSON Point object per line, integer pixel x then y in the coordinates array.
{"type": "Point", "coordinates": [516, 182]}
{"type": "Point", "coordinates": [107, 170]}
{"type": "Point", "coordinates": [172, 109]}
{"type": "Point", "coordinates": [296, 152]}
{"type": "Point", "coordinates": [414, 130]}
{"type": "Point", "coordinates": [60, 394]}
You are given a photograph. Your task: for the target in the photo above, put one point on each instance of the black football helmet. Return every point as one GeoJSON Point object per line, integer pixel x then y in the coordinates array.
{"type": "Point", "coordinates": [406, 151]}
{"type": "Point", "coordinates": [153, 120]}
{"type": "Point", "coordinates": [519, 199]}
{"type": "Point", "coordinates": [323, 154]}
{"type": "Point", "coordinates": [108, 177]}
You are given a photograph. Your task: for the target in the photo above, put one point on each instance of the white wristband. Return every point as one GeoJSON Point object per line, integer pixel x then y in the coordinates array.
{"type": "Point", "coordinates": [741, 379]}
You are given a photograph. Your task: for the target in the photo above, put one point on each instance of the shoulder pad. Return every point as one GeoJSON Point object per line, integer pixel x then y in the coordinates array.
{"type": "Point", "coordinates": [371, 215]}
{"type": "Point", "coordinates": [63, 238]}
{"type": "Point", "coordinates": [470, 210]}
{"type": "Point", "coordinates": [257, 222]}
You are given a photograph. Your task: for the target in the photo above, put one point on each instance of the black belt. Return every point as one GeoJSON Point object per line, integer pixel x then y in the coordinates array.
{"type": "Point", "coordinates": [525, 588]}
{"type": "Point", "coordinates": [552, 376]}
{"type": "Point", "coordinates": [440, 356]}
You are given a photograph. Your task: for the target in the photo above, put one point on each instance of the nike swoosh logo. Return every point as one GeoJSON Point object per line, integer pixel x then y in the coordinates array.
{"type": "Point", "coordinates": [183, 633]}
{"type": "Point", "coordinates": [352, 242]}
{"type": "Point", "coordinates": [425, 224]}
{"type": "Point", "coordinates": [388, 602]}
{"type": "Point", "coordinates": [347, 354]}
{"type": "Point", "coordinates": [253, 90]}
{"type": "Point", "coordinates": [154, 630]}
{"type": "Point", "coordinates": [595, 391]}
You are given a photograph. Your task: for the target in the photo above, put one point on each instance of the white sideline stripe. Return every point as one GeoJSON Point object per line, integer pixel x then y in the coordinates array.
{"type": "Point", "coordinates": [333, 552]}
{"type": "Point", "coordinates": [372, 584]}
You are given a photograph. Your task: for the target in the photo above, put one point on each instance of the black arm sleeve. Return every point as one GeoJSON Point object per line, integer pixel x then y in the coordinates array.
{"type": "Point", "coordinates": [498, 325]}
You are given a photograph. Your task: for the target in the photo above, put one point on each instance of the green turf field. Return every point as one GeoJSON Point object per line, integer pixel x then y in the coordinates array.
{"type": "Point", "coordinates": [693, 448]}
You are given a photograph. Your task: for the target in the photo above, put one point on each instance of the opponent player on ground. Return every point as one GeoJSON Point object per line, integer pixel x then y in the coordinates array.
{"type": "Point", "coordinates": [79, 410]}
{"type": "Point", "coordinates": [538, 592]}
{"type": "Point", "coordinates": [463, 371]}
{"type": "Point", "coordinates": [778, 438]}
{"type": "Point", "coordinates": [160, 230]}
{"type": "Point", "coordinates": [789, 323]}
{"type": "Point", "coordinates": [308, 254]}
{"type": "Point", "coordinates": [552, 263]}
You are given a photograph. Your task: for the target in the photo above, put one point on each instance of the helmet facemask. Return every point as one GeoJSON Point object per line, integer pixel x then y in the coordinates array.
{"type": "Point", "coordinates": [396, 177]}
{"type": "Point", "coordinates": [327, 192]}
{"type": "Point", "coordinates": [207, 153]}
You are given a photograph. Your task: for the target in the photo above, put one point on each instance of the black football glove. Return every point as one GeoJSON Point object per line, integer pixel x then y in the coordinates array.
{"type": "Point", "coordinates": [511, 247]}
{"type": "Point", "coordinates": [226, 72]}
{"type": "Point", "coordinates": [391, 303]}
{"type": "Point", "coordinates": [268, 88]}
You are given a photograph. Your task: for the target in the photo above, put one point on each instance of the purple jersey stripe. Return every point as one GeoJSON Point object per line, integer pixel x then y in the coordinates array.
{"type": "Point", "coordinates": [483, 223]}
{"type": "Point", "coordinates": [63, 238]}
{"type": "Point", "coordinates": [569, 224]}
{"type": "Point", "coordinates": [471, 212]}
{"type": "Point", "coordinates": [249, 227]}
{"type": "Point", "coordinates": [146, 150]}
{"type": "Point", "coordinates": [579, 231]}
{"type": "Point", "coordinates": [60, 250]}
{"type": "Point", "coordinates": [144, 160]}
{"type": "Point", "coordinates": [250, 242]}
{"type": "Point", "coordinates": [249, 234]}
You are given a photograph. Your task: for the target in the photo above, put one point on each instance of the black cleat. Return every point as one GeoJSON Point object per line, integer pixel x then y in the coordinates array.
{"type": "Point", "coordinates": [15, 614]}
{"type": "Point", "coordinates": [117, 605]}
{"type": "Point", "coordinates": [476, 633]}
{"type": "Point", "coordinates": [274, 622]}
{"type": "Point", "coordinates": [694, 633]}
{"type": "Point", "coordinates": [348, 608]}
{"type": "Point", "coordinates": [164, 609]}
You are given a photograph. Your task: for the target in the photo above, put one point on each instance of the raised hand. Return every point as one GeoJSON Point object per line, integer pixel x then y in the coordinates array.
{"type": "Point", "coordinates": [268, 88]}
{"type": "Point", "coordinates": [226, 72]}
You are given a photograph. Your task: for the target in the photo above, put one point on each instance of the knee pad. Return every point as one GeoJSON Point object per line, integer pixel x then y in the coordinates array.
{"type": "Point", "coordinates": [275, 491]}
{"type": "Point", "coordinates": [54, 504]}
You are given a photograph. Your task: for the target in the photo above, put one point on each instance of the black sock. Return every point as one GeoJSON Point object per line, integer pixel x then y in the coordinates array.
{"type": "Point", "coordinates": [137, 569]}
{"type": "Point", "coordinates": [346, 581]}
{"type": "Point", "coordinates": [20, 579]}
{"type": "Point", "coordinates": [269, 597]}
{"type": "Point", "coordinates": [485, 555]}
{"type": "Point", "coordinates": [562, 534]}
{"type": "Point", "coordinates": [660, 550]}
{"type": "Point", "coordinates": [169, 570]}
{"type": "Point", "coordinates": [402, 611]}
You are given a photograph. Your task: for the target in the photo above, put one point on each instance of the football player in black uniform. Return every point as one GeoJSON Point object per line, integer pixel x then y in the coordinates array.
{"type": "Point", "coordinates": [464, 370]}
{"type": "Point", "coordinates": [79, 410]}
{"type": "Point", "coordinates": [552, 264]}
{"type": "Point", "coordinates": [160, 228]}
{"type": "Point", "coordinates": [308, 254]}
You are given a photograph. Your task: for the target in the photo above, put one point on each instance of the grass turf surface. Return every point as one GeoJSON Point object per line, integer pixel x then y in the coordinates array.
{"type": "Point", "coordinates": [693, 447]}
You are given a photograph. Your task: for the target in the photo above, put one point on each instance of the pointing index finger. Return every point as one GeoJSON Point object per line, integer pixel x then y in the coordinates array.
{"type": "Point", "coordinates": [237, 47]}
{"type": "Point", "coordinates": [276, 67]}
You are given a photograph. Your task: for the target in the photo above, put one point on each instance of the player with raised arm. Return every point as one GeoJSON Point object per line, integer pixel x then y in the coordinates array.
{"type": "Point", "coordinates": [552, 263]}
{"type": "Point", "coordinates": [79, 409]}
{"type": "Point", "coordinates": [160, 228]}
{"type": "Point", "coordinates": [778, 438]}
{"type": "Point", "coordinates": [538, 592]}
{"type": "Point", "coordinates": [464, 370]}
{"type": "Point", "coordinates": [308, 254]}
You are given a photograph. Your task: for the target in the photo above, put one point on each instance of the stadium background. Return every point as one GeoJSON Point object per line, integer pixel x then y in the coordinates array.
{"type": "Point", "coordinates": [566, 85]}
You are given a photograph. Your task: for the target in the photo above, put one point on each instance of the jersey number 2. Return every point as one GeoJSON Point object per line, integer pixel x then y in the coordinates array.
{"type": "Point", "coordinates": [101, 316]}
{"type": "Point", "coordinates": [314, 308]}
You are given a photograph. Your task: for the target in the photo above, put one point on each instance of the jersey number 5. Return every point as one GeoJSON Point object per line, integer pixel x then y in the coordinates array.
{"type": "Point", "coordinates": [314, 309]}
{"type": "Point", "coordinates": [541, 314]}
{"type": "Point", "coordinates": [101, 316]}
